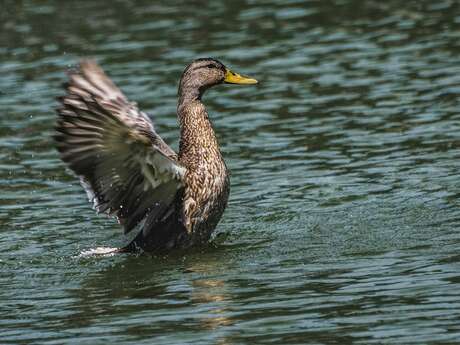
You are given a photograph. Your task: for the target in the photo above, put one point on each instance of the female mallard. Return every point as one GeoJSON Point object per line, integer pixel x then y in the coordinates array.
{"type": "Point", "coordinates": [129, 172]}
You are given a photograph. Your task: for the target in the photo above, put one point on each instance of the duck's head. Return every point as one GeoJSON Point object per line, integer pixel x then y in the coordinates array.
{"type": "Point", "coordinates": [201, 74]}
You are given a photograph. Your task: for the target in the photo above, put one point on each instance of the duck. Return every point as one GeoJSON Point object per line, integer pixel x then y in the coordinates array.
{"type": "Point", "coordinates": [162, 199]}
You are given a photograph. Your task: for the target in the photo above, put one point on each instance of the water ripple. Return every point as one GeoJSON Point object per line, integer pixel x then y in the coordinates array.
{"type": "Point", "coordinates": [343, 221]}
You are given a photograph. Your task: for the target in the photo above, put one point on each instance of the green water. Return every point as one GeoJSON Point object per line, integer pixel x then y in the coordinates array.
{"type": "Point", "coordinates": [343, 225]}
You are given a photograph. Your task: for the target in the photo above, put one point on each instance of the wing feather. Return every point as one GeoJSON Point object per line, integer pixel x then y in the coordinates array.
{"type": "Point", "coordinates": [125, 167]}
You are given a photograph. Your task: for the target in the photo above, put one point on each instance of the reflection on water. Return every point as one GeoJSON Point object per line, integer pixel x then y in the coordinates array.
{"type": "Point", "coordinates": [213, 293]}
{"type": "Point", "coordinates": [132, 287]}
{"type": "Point", "coordinates": [344, 214]}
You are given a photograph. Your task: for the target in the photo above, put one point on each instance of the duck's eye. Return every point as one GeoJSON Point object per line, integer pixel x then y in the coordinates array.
{"type": "Point", "coordinates": [210, 66]}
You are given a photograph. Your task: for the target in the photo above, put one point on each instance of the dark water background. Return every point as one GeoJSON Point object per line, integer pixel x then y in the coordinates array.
{"type": "Point", "coordinates": [343, 225]}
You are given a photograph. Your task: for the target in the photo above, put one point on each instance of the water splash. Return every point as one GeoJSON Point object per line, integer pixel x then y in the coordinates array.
{"type": "Point", "coordinates": [103, 251]}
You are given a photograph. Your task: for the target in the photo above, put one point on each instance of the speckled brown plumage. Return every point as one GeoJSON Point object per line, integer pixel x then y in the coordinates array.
{"type": "Point", "coordinates": [206, 180]}
{"type": "Point", "coordinates": [129, 172]}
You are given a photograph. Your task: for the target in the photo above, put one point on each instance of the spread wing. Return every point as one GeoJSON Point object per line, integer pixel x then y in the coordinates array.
{"type": "Point", "coordinates": [125, 167]}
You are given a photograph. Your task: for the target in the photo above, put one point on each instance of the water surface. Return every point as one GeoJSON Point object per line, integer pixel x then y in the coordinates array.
{"type": "Point", "coordinates": [343, 222]}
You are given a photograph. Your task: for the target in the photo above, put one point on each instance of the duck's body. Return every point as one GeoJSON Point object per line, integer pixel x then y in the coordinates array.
{"type": "Point", "coordinates": [127, 169]}
{"type": "Point", "coordinates": [206, 180]}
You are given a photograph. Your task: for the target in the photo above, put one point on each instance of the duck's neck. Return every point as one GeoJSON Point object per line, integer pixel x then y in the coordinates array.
{"type": "Point", "coordinates": [188, 91]}
{"type": "Point", "coordinates": [198, 140]}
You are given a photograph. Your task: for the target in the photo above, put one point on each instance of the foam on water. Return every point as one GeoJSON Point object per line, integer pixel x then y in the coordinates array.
{"type": "Point", "coordinates": [103, 251]}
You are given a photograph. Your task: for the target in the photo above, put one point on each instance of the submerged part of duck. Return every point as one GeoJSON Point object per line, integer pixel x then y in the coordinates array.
{"type": "Point", "coordinates": [129, 172]}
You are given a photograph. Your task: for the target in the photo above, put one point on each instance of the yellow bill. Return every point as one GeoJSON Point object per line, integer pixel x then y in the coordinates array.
{"type": "Point", "coordinates": [235, 78]}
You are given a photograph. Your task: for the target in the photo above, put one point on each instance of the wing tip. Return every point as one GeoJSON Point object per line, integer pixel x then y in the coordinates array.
{"type": "Point", "coordinates": [89, 64]}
